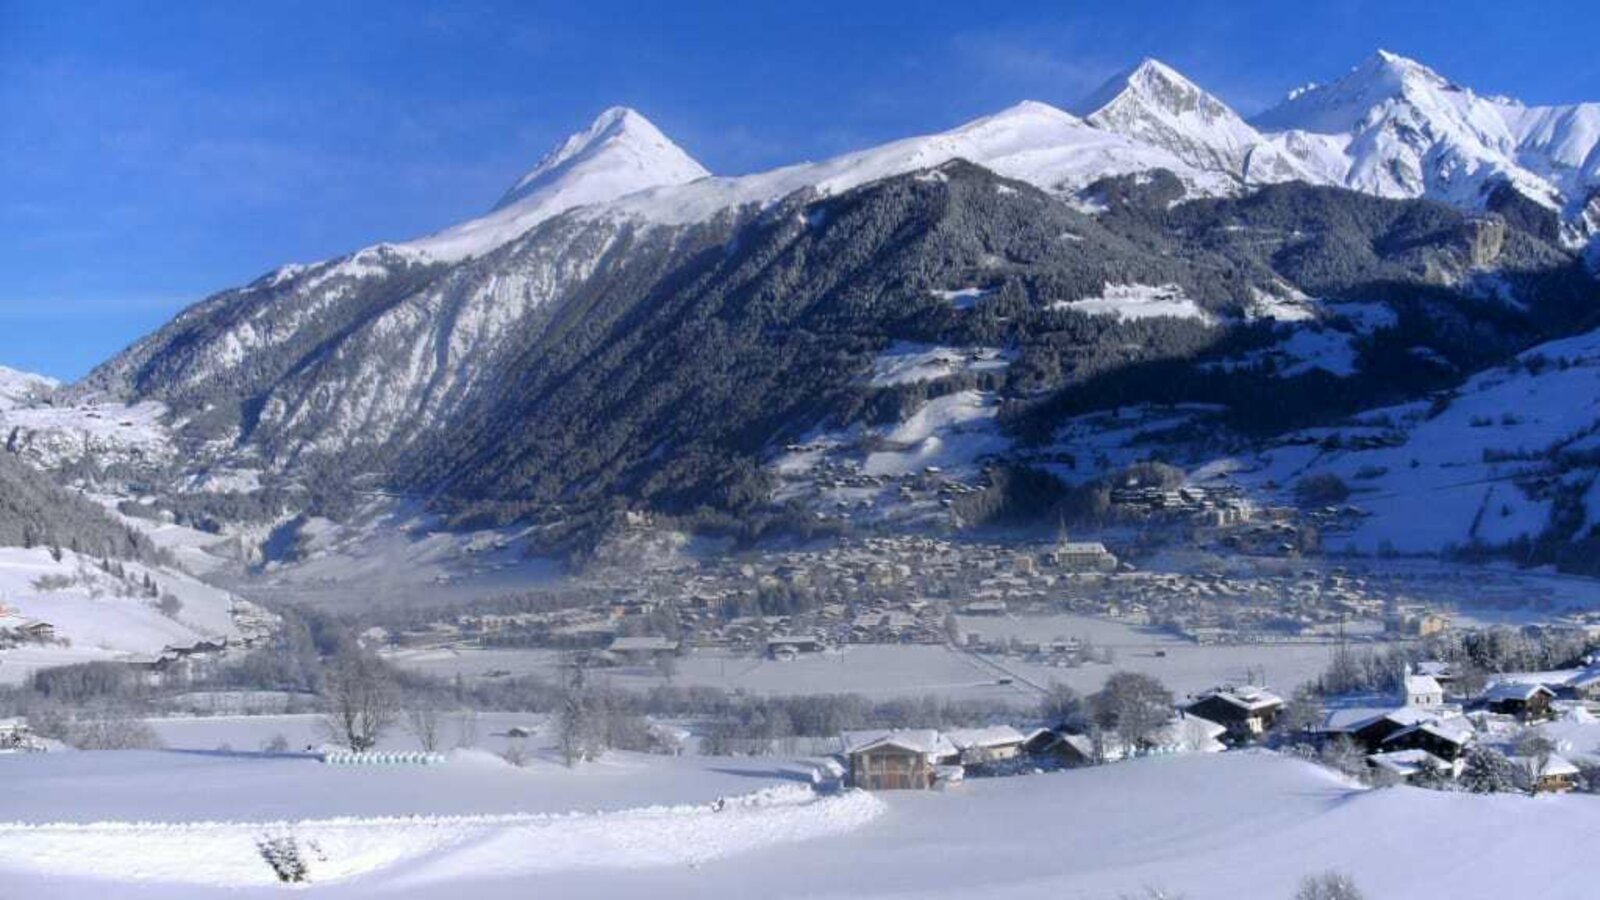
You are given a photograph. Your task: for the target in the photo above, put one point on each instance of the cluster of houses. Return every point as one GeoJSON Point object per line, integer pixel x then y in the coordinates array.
{"type": "Point", "coordinates": [1219, 505]}
{"type": "Point", "coordinates": [1428, 731]}
{"type": "Point", "coordinates": [900, 759]}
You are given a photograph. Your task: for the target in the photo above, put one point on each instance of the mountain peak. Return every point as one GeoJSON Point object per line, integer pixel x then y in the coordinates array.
{"type": "Point", "coordinates": [1339, 105]}
{"type": "Point", "coordinates": [621, 148]}
{"type": "Point", "coordinates": [1154, 86]}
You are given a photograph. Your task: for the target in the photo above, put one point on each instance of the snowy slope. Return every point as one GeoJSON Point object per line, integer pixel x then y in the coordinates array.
{"type": "Point", "coordinates": [1486, 466]}
{"type": "Point", "coordinates": [1203, 826]}
{"type": "Point", "coordinates": [20, 388]}
{"type": "Point", "coordinates": [98, 615]}
{"type": "Point", "coordinates": [1399, 129]}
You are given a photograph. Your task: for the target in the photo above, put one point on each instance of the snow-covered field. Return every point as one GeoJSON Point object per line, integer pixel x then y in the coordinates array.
{"type": "Point", "coordinates": [908, 363]}
{"type": "Point", "coordinates": [1207, 826]}
{"type": "Point", "coordinates": [97, 615]}
{"type": "Point", "coordinates": [1138, 301]}
{"type": "Point", "coordinates": [883, 671]}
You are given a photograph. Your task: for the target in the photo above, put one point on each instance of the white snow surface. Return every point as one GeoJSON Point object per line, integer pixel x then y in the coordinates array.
{"type": "Point", "coordinates": [55, 832]}
{"type": "Point", "coordinates": [1453, 477]}
{"type": "Point", "coordinates": [906, 363]}
{"type": "Point", "coordinates": [1395, 128]}
{"type": "Point", "coordinates": [1031, 142]}
{"type": "Point", "coordinates": [18, 388]}
{"type": "Point", "coordinates": [620, 153]}
{"type": "Point", "coordinates": [1138, 301]}
{"type": "Point", "coordinates": [1154, 104]}
{"type": "Point", "coordinates": [99, 615]}
{"type": "Point", "coordinates": [1211, 826]}
{"type": "Point", "coordinates": [952, 432]}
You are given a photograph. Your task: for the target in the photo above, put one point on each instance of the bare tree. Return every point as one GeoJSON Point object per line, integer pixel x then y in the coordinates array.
{"type": "Point", "coordinates": [575, 725]}
{"type": "Point", "coordinates": [1061, 705]}
{"type": "Point", "coordinates": [360, 701]}
{"type": "Point", "coordinates": [1535, 749]}
{"type": "Point", "coordinates": [1303, 712]}
{"type": "Point", "coordinates": [1133, 705]}
{"type": "Point", "coordinates": [467, 728]}
{"type": "Point", "coordinates": [1328, 886]}
{"type": "Point", "coordinates": [423, 723]}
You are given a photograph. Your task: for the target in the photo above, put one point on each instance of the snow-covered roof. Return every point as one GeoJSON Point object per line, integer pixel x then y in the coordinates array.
{"type": "Point", "coordinates": [1457, 730]}
{"type": "Point", "coordinates": [1355, 718]}
{"type": "Point", "coordinates": [918, 740]}
{"type": "Point", "coordinates": [1406, 763]}
{"type": "Point", "coordinates": [1081, 547]}
{"type": "Point", "coordinates": [1434, 668]}
{"type": "Point", "coordinates": [634, 644]}
{"type": "Point", "coordinates": [1555, 766]}
{"type": "Point", "coordinates": [1248, 697]}
{"type": "Point", "coordinates": [984, 738]}
{"type": "Point", "coordinates": [1422, 684]}
{"type": "Point", "coordinates": [1585, 678]}
{"type": "Point", "coordinates": [1514, 690]}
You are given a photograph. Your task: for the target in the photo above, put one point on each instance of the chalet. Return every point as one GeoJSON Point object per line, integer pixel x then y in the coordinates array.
{"type": "Point", "coordinates": [976, 746]}
{"type": "Point", "coordinates": [1527, 701]}
{"type": "Point", "coordinates": [907, 759]}
{"type": "Point", "coordinates": [1066, 749]}
{"type": "Point", "coordinates": [36, 630]}
{"type": "Point", "coordinates": [1246, 712]}
{"type": "Point", "coordinates": [1445, 739]}
{"type": "Point", "coordinates": [1370, 727]}
{"type": "Point", "coordinates": [1553, 774]}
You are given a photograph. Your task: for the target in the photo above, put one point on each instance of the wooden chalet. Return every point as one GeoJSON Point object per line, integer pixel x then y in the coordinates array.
{"type": "Point", "coordinates": [1527, 701]}
{"type": "Point", "coordinates": [1552, 775]}
{"type": "Point", "coordinates": [908, 759]}
{"type": "Point", "coordinates": [1445, 739]}
{"type": "Point", "coordinates": [1246, 712]}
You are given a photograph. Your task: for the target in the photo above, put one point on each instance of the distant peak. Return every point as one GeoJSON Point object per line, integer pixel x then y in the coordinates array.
{"type": "Point", "coordinates": [1152, 68]}
{"type": "Point", "coordinates": [1402, 65]}
{"type": "Point", "coordinates": [619, 140]}
{"type": "Point", "coordinates": [1152, 84]}
{"type": "Point", "coordinates": [1340, 104]}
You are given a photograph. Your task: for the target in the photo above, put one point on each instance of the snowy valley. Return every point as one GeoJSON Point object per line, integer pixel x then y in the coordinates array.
{"type": "Point", "coordinates": [1145, 500]}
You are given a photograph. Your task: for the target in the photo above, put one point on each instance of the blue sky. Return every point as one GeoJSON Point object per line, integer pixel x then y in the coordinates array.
{"type": "Point", "coordinates": [152, 153]}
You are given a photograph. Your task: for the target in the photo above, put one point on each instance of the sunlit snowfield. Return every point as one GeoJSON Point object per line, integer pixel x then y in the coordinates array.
{"type": "Point", "coordinates": [1208, 826]}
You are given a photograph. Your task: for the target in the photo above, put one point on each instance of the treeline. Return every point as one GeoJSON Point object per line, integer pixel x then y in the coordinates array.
{"type": "Point", "coordinates": [36, 512]}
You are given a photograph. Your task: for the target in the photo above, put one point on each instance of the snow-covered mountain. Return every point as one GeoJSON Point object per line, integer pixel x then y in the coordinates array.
{"type": "Point", "coordinates": [620, 153]}
{"type": "Point", "coordinates": [1396, 128]}
{"type": "Point", "coordinates": [20, 388]}
{"type": "Point", "coordinates": [1032, 142]}
{"type": "Point", "coordinates": [623, 322]}
{"type": "Point", "coordinates": [1153, 104]}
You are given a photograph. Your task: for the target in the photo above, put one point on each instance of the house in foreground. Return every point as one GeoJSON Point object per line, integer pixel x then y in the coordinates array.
{"type": "Point", "coordinates": [1246, 712]}
{"type": "Point", "coordinates": [1553, 774]}
{"type": "Point", "coordinates": [903, 759]}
